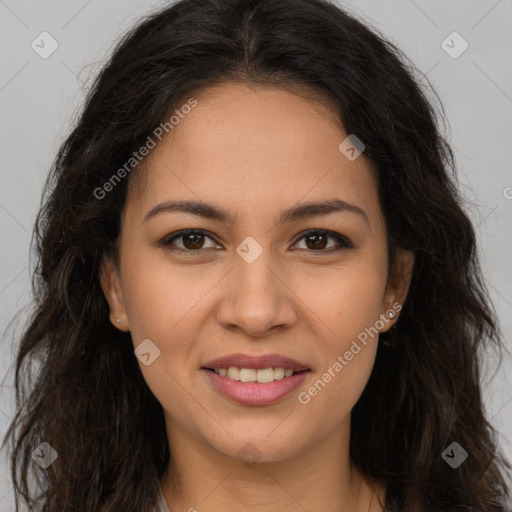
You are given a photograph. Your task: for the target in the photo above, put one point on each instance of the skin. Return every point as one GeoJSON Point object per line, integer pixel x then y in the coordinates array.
{"type": "Point", "coordinates": [256, 151]}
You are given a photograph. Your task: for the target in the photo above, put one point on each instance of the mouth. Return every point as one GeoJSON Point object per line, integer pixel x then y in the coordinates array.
{"type": "Point", "coordinates": [255, 380]}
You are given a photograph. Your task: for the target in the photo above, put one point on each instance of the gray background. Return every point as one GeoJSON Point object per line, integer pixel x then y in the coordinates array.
{"type": "Point", "coordinates": [38, 98]}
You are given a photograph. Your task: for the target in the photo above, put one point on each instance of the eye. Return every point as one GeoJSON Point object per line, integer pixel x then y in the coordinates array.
{"type": "Point", "coordinates": [191, 240]}
{"type": "Point", "coordinates": [316, 240]}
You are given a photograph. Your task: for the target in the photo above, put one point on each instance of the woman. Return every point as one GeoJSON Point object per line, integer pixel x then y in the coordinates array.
{"type": "Point", "coordinates": [258, 288]}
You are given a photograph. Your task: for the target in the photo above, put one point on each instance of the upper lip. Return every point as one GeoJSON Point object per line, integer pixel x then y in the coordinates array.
{"type": "Point", "coordinates": [257, 362]}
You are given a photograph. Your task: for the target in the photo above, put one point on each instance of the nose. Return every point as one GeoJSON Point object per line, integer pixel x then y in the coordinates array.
{"type": "Point", "coordinates": [257, 299]}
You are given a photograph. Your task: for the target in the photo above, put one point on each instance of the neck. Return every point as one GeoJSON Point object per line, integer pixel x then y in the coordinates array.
{"type": "Point", "coordinates": [203, 479]}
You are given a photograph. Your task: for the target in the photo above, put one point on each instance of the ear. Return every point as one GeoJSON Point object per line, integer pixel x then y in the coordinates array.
{"type": "Point", "coordinates": [398, 285]}
{"type": "Point", "coordinates": [111, 286]}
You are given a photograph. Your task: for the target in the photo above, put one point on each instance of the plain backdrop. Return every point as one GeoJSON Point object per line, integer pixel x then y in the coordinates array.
{"type": "Point", "coordinates": [39, 97]}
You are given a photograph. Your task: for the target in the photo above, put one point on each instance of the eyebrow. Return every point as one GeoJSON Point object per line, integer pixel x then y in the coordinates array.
{"type": "Point", "coordinates": [297, 212]}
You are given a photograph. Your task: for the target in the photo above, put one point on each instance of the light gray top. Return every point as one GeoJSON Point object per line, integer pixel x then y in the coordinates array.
{"type": "Point", "coordinates": [163, 504]}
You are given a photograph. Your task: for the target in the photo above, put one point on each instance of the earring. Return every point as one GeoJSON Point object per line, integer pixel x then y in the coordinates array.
{"type": "Point", "coordinates": [118, 320]}
{"type": "Point", "coordinates": [390, 313]}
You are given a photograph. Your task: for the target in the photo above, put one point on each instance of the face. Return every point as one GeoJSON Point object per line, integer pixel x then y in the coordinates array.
{"type": "Point", "coordinates": [265, 279]}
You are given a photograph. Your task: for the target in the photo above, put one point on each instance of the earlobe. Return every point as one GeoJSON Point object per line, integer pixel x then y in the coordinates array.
{"type": "Point", "coordinates": [111, 286]}
{"type": "Point", "coordinates": [398, 285]}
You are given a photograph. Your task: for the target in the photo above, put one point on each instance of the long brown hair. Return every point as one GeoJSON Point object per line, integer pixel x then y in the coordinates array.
{"type": "Point", "coordinates": [78, 385]}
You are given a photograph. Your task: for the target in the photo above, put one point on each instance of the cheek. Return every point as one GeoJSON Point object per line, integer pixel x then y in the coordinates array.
{"type": "Point", "coordinates": [345, 300]}
{"type": "Point", "coordinates": [337, 385]}
{"type": "Point", "coordinates": [168, 306]}
{"type": "Point", "coordinates": [160, 297]}
{"type": "Point", "coordinates": [164, 305]}
{"type": "Point", "coordinates": [348, 311]}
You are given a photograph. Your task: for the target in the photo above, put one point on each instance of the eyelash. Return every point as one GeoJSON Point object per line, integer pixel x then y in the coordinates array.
{"type": "Point", "coordinates": [344, 242]}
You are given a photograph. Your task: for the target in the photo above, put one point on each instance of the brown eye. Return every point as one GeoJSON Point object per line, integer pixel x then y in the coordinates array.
{"type": "Point", "coordinates": [191, 240]}
{"type": "Point", "coordinates": [317, 240]}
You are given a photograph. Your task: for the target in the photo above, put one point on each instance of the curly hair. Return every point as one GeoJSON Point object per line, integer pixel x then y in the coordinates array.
{"type": "Point", "coordinates": [78, 385]}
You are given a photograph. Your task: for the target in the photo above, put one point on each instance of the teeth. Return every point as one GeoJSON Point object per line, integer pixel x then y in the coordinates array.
{"type": "Point", "coordinates": [279, 373]}
{"type": "Point", "coordinates": [263, 375]}
{"type": "Point", "coordinates": [234, 373]}
{"type": "Point", "coordinates": [248, 375]}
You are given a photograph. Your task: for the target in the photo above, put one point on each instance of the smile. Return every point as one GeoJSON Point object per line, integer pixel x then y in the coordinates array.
{"type": "Point", "coordinates": [263, 375]}
{"type": "Point", "coordinates": [245, 385]}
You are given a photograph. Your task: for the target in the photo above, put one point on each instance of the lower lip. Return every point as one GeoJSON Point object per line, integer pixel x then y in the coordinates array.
{"type": "Point", "coordinates": [254, 393]}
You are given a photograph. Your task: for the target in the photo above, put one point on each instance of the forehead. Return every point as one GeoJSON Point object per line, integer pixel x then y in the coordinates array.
{"type": "Point", "coordinates": [254, 147]}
